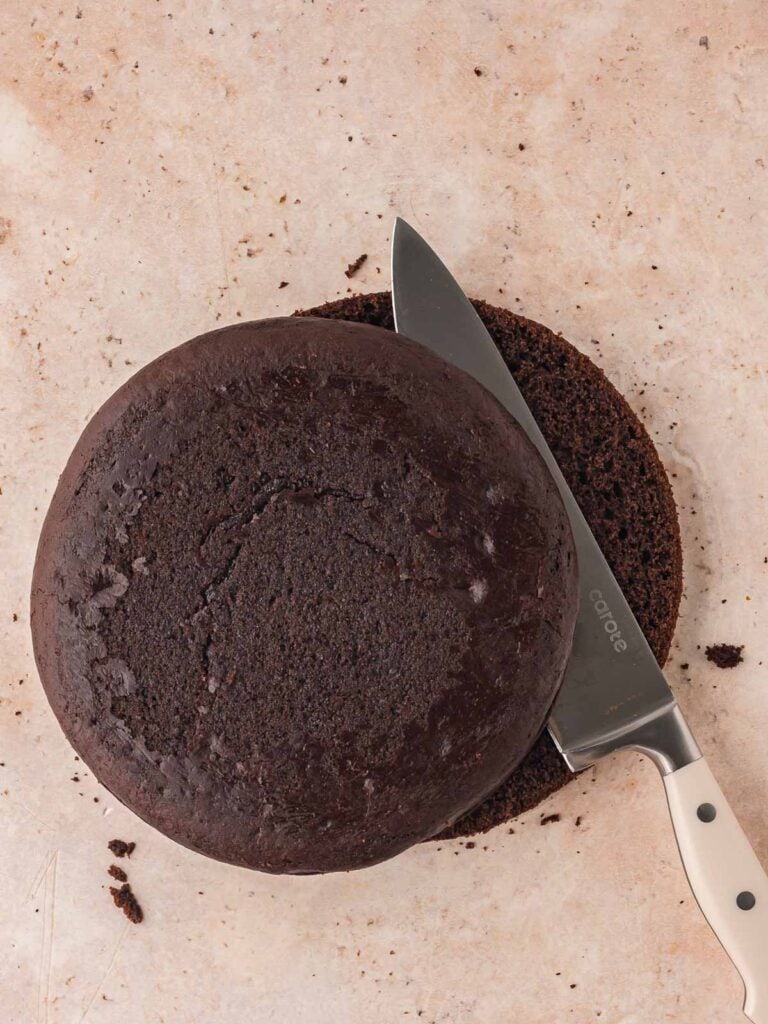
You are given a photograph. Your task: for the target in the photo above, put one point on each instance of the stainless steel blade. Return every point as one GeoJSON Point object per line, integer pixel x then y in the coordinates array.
{"type": "Point", "coordinates": [614, 694]}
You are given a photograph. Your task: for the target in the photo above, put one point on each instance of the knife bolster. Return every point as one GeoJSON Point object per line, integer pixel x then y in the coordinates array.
{"type": "Point", "coordinates": [663, 735]}
{"type": "Point", "coordinates": [667, 740]}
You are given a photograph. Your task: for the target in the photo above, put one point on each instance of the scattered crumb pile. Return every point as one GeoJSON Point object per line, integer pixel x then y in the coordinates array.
{"type": "Point", "coordinates": [123, 896]}
{"type": "Point", "coordinates": [725, 655]}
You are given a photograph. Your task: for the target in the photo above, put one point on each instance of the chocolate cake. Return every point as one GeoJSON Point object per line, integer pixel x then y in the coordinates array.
{"type": "Point", "coordinates": [304, 594]}
{"type": "Point", "coordinates": [615, 473]}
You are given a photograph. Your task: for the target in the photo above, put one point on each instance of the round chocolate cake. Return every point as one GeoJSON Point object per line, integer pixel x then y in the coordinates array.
{"type": "Point", "coordinates": [304, 595]}
{"type": "Point", "coordinates": [613, 469]}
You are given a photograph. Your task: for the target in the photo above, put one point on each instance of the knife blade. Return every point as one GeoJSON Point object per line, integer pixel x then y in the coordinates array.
{"type": "Point", "coordinates": [614, 695]}
{"type": "Point", "coordinates": [613, 687]}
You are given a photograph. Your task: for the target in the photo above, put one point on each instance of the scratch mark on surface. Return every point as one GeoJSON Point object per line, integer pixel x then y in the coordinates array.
{"type": "Point", "coordinates": [45, 972]}
{"type": "Point", "coordinates": [52, 918]}
{"type": "Point", "coordinates": [614, 217]}
{"type": "Point", "coordinates": [106, 973]}
{"type": "Point", "coordinates": [19, 803]}
{"type": "Point", "coordinates": [37, 881]}
{"type": "Point", "coordinates": [220, 224]}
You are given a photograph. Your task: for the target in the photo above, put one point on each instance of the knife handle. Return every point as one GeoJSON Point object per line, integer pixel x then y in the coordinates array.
{"type": "Point", "coordinates": [725, 876]}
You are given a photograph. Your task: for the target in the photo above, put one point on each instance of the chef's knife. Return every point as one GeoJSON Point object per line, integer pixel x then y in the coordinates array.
{"type": "Point", "coordinates": [614, 695]}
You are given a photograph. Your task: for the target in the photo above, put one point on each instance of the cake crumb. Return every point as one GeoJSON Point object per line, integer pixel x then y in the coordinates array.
{"type": "Point", "coordinates": [549, 819]}
{"type": "Point", "coordinates": [355, 265]}
{"type": "Point", "coordinates": [725, 655]}
{"type": "Point", "coordinates": [120, 848]}
{"type": "Point", "coordinates": [117, 873]}
{"type": "Point", "coordinates": [127, 902]}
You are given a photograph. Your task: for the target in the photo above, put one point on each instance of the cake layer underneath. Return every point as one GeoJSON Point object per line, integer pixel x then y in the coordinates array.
{"type": "Point", "coordinates": [615, 473]}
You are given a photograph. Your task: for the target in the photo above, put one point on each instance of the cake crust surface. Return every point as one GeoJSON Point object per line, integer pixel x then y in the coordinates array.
{"type": "Point", "coordinates": [304, 594]}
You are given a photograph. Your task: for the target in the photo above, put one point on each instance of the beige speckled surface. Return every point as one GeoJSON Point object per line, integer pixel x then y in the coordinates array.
{"type": "Point", "coordinates": [163, 167]}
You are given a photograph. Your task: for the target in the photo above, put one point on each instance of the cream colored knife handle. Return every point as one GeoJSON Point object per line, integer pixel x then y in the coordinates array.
{"type": "Point", "coordinates": [726, 877]}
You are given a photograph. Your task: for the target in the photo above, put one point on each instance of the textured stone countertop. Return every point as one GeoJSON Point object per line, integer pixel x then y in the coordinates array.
{"type": "Point", "coordinates": [601, 167]}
